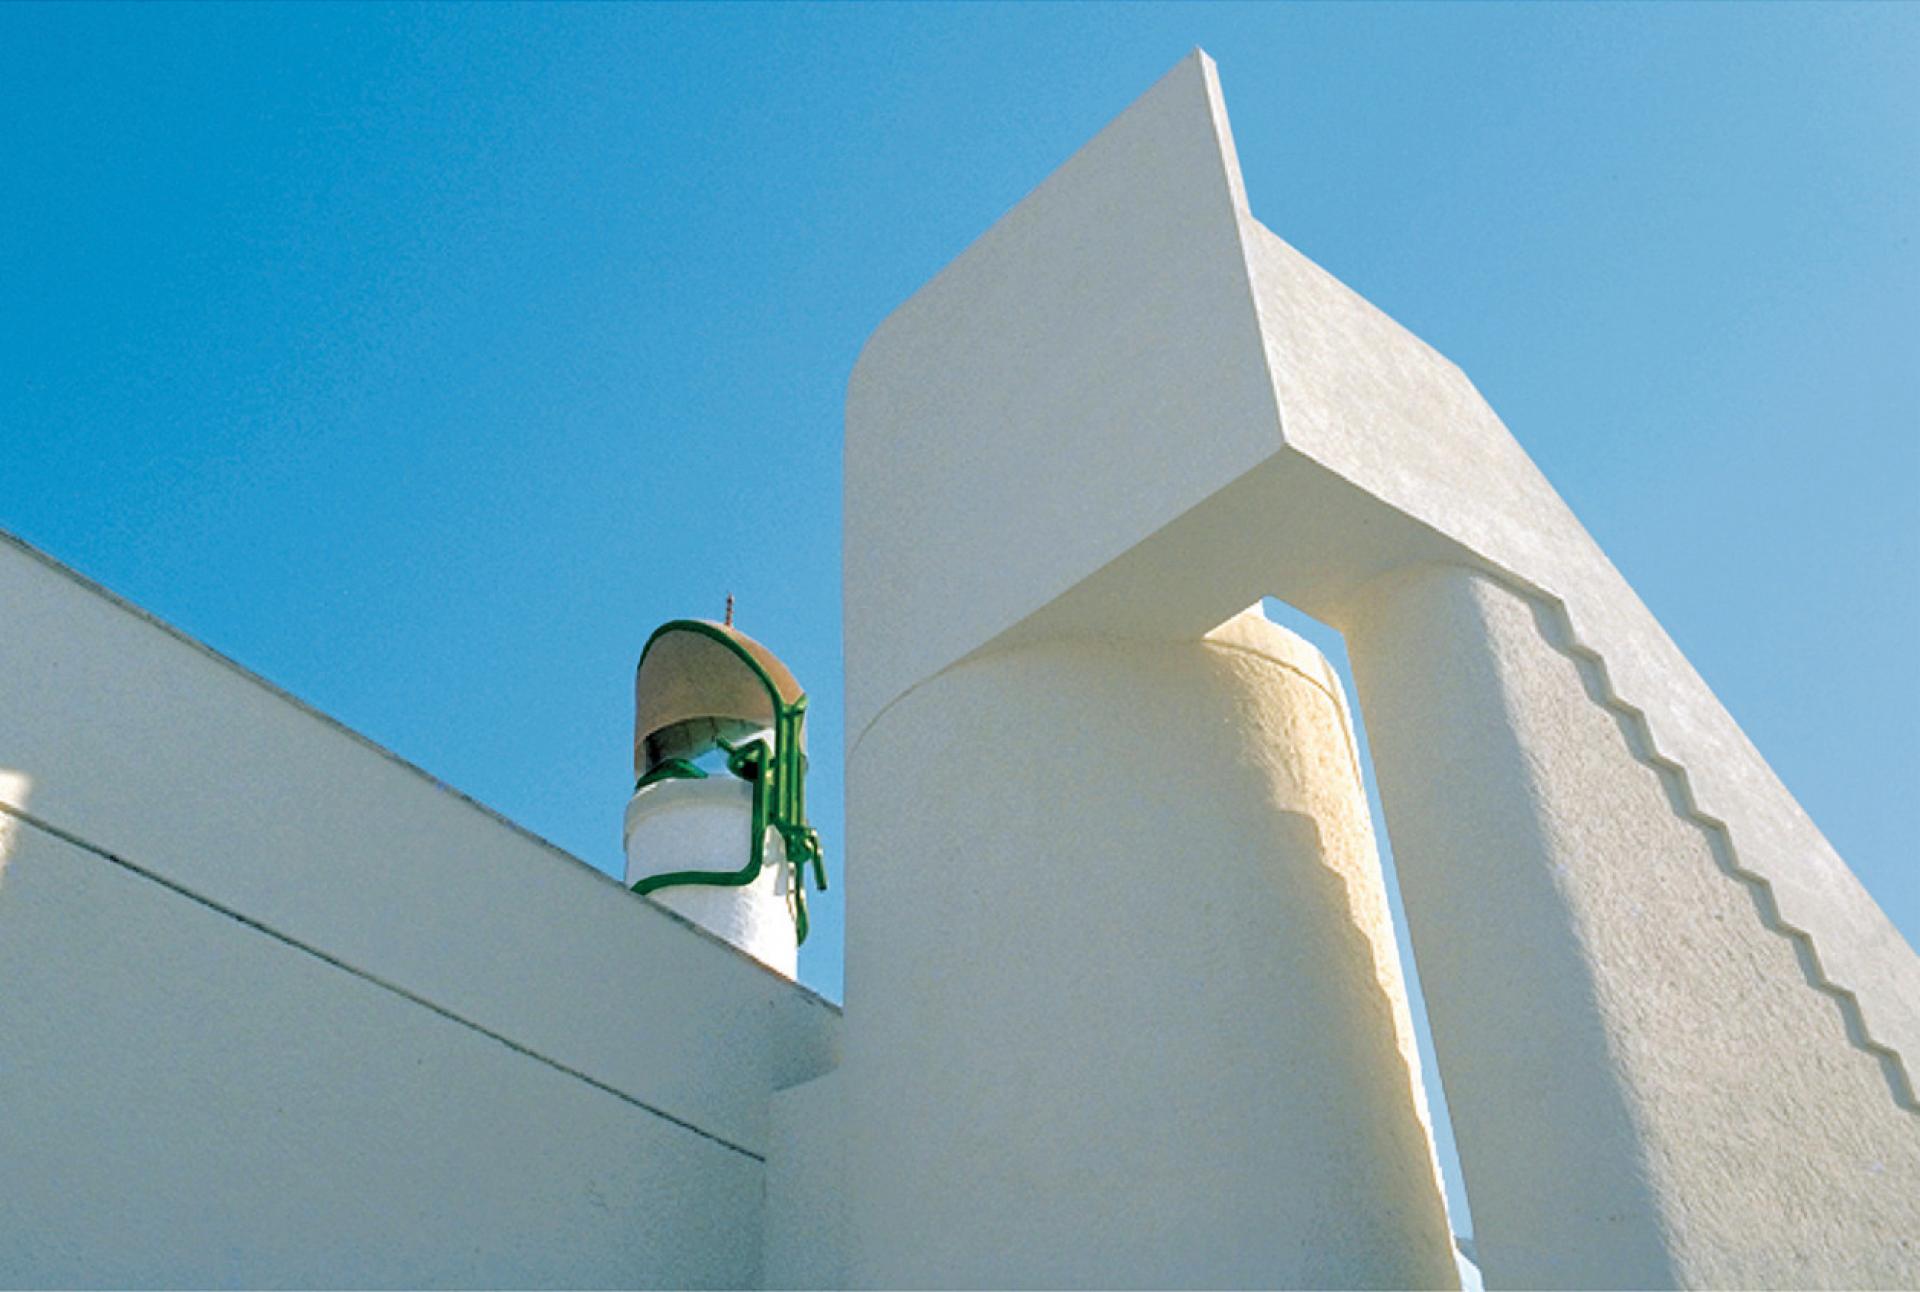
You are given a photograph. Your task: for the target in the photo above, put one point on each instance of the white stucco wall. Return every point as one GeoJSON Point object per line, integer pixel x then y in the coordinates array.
{"type": "Point", "coordinates": [188, 1102]}
{"type": "Point", "coordinates": [276, 1007]}
{"type": "Point", "coordinates": [1652, 1019]}
{"type": "Point", "coordinates": [1158, 412]}
{"type": "Point", "coordinates": [1125, 1008]}
{"type": "Point", "coordinates": [805, 1231]}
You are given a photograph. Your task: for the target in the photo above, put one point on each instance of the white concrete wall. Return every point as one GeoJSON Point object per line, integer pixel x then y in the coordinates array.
{"type": "Point", "coordinates": [276, 1007]}
{"type": "Point", "coordinates": [190, 1102]}
{"type": "Point", "coordinates": [1606, 989]}
{"type": "Point", "coordinates": [1159, 412]}
{"type": "Point", "coordinates": [805, 1243]}
{"type": "Point", "coordinates": [1083, 373]}
{"type": "Point", "coordinates": [1125, 1003]}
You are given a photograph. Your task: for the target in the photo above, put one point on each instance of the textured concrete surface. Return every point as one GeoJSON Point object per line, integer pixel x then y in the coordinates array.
{"type": "Point", "coordinates": [1649, 1018]}
{"type": "Point", "coordinates": [1125, 1004]}
{"type": "Point", "coordinates": [1208, 417]}
{"type": "Point", "coordinates": [260, 975]}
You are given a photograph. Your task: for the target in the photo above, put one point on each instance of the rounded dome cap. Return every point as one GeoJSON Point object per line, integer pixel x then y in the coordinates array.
{"type": "Point", "coordinates": [700, 682]}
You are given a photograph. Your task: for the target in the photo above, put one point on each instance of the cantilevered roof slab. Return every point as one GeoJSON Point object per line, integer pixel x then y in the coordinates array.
{"type": "Point", "coordinates": [1131, 410]}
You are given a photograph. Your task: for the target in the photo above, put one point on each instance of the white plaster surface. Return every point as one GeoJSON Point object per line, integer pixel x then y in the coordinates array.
{"type": "Point", "coordinates": [1364, 397]}
{"type": "Point", "coordinates": [1615, 996]}
{"type": "Point", "coordinates": [428, 923]}
{"type": "Point", "coordinates": [1210, 418]}
{"type": "Point", "coordinates": [1121, 483]}
{"type": "Point", "coordinates": [1125, 1003]}
{"type": "Point", "coordinates": [705, 825]}
{"type": "Point", "coordinates": [185, 1102]}
{"type": "Point", "coordinates": [1102, 331]}
{"type": "Point", "coordinates": [805, 1227]}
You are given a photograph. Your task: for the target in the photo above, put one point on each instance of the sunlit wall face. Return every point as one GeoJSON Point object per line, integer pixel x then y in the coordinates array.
{"type": "Point", "coordinates": [13, 795]}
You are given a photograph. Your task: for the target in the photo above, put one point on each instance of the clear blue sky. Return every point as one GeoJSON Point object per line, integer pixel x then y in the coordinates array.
{"type": "Point", "coordinates": [423, 359]}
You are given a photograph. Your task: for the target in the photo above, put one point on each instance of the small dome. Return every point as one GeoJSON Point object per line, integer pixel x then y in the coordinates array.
{"type": "Point", "coordinates": [700, 682]}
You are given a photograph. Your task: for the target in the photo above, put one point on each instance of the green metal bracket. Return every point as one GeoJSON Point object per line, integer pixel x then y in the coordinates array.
{"type": "Point", "coordinates": [672, 769]}
{"type": "Point", "coordinates": [778, 774]}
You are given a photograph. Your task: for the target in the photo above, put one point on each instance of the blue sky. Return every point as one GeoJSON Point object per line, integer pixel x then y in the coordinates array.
{"type": "Point", "coordinates": [423, 359]}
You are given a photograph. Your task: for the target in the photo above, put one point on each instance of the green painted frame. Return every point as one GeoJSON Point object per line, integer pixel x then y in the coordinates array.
{"type": "Point", "coordinates": [778, 775]}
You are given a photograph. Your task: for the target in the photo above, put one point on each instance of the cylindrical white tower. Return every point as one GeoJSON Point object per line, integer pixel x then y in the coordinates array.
{"type": "Point", "coordinates": [1124, 1007]}
{"type": "Point", "coordinates": [716, 829]}
{"type": "Point", "coordinates": [704, 825]}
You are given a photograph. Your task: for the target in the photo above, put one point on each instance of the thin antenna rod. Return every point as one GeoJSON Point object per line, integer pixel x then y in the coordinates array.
{"type": "Point", "coordinates": [729, 610]}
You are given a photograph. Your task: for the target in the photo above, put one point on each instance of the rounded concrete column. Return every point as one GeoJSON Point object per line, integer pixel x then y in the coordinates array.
{"type": "Point", "coordinates": [1123, 1002]}
{"type": "Point", "coordinates": [1650, 1086]}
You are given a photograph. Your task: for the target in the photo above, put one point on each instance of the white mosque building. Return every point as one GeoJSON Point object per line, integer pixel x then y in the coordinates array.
{"type": "Point", "coordinates": [1123, 1005]}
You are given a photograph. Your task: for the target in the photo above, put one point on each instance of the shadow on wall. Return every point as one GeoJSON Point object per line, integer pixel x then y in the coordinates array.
{"type": "Point", "coordinates": [1674, 782]}
{"type": "Point", "coordinates": [1334, 964]}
